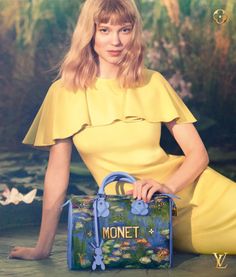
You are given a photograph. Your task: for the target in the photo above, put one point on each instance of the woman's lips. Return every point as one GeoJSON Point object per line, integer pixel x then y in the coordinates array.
{"type": "Point", "coordinates": [114, 53]}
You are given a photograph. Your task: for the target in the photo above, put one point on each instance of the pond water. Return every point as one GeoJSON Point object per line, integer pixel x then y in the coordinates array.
{"type": "Point", "coordinates": [25, 170]}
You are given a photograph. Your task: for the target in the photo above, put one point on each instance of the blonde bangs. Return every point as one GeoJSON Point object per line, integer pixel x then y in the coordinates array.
{"type": "Point", "coordinates": [114, 12]}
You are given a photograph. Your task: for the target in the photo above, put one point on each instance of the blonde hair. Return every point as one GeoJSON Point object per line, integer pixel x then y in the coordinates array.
{"type": "Point", "coordinates": [79, 68]}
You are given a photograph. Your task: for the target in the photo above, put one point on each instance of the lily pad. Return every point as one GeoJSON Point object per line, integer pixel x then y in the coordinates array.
{"type": "Point", "coordinates": [21, 180]}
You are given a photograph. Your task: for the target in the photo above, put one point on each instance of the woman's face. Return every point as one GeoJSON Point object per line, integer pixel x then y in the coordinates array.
{"type": "Point", "coordinates": [110, 42]}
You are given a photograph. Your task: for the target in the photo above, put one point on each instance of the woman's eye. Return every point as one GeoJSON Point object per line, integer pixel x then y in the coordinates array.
{"type": "Point", "coordinates": [126, 30]}
{"type": "Point", "coordinates": [103, 30]}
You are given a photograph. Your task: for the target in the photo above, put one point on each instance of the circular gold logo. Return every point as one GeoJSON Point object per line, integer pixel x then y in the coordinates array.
{"type": "Point", "coordinates": [220, 16]}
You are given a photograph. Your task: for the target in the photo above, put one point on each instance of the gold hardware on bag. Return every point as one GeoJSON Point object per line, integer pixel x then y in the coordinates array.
{"type": "Point", "coordinates": [174, 210]}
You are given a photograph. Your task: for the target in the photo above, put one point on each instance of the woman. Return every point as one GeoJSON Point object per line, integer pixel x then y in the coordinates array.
{"type": "Point", "coordinates": [111, 108]}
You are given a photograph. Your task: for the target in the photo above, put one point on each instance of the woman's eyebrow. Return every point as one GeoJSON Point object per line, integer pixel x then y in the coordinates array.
{"type": "Point", "coordinates": [126, 24]}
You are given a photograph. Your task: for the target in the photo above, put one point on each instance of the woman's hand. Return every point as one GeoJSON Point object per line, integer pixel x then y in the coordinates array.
{"type": "Point", "coordinates": [144, 189]}
{"type": "Point", "coordinates": [26, 253]}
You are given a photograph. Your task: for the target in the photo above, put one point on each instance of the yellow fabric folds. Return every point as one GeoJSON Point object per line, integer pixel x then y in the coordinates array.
{"type": "Point", "coordinates": [64, 113]}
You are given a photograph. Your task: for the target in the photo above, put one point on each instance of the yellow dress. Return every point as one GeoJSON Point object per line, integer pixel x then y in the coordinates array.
{"type": "Point", "coordinates": [118, 129]}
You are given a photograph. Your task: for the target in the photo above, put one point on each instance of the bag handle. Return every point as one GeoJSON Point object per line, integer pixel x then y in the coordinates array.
{"type": "Point", "coordinates": [124, 177]}
{"type": "Point", "coordinates": [115, 176]}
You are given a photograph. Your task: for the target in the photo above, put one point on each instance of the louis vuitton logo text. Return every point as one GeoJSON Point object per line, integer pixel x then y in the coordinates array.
{"type": "Point", "coordinates": [220, 260]}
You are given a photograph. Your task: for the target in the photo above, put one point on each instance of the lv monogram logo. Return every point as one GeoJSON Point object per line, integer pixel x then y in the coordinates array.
{"type": "Point", "coordinates": [220, 260]}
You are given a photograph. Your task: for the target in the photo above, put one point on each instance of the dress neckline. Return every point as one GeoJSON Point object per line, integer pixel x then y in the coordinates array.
{"type": "Point", "coordinates": [109, 80]}
{"type": "Point", "coordinates": [111, 83]}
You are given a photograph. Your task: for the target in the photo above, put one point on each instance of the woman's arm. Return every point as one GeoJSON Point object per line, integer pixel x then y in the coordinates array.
{"type": "Point", "coordinates": [196, 160]}
{"type": "Point", "coordinates": [55, 186]}
{"type": "Point", "coordinates": [196, 157]}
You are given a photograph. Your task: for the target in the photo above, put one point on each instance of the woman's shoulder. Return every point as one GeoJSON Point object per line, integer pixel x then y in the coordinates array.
{"type": "Point", "coordinates": [154, 75]}
{"type": "Point", "coordinates": [154, 79]}
{"type": "Point", "coordinates": [170, 105]}
{"type": "Point", "coordinates": [58, 91]}
{"type": "Point", "coordinates": [56, 86]}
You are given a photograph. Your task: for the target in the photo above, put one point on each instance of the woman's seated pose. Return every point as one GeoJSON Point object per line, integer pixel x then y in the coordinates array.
{"type": "Point", "coordinates": [111, 107]}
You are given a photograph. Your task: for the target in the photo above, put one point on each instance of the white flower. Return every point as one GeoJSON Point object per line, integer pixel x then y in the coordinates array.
{"type": "Point", "coordinates": [15, 197]}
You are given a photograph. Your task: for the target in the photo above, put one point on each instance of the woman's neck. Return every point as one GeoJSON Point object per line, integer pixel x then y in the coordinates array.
{"type": "Point", "coordinates": [108, 72]}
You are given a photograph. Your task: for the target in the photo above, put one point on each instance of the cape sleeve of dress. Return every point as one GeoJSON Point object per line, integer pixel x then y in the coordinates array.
{"type": "Point", "coordinates": [173, 105]}
{"type": "Point", "coordinates": [158, 102]}
{"type": "Point", "coordinates": [61, 115]}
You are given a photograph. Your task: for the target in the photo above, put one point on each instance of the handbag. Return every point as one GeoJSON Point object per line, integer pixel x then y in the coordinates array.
{"type": "Point", "coordinates": [117, 231]}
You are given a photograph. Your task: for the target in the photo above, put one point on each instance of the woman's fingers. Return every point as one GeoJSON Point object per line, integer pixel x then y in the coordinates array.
{"type": "Point", "coordinates": [144, 189]}
{"type": "Point", "coordinates": [15, 252]}
{"type": "Point", "coordinates": [141, 188]}
{"type": "Point", "coordinates": [20, 253]}
{"type": "Point", "coordinates": [26, 253]}
{"type": "Point", "coordinates": [129, 192]}
{"type": "Point", "coordinates": [138, 188]}
{"type": "Point", "coordinates": [151, 192]}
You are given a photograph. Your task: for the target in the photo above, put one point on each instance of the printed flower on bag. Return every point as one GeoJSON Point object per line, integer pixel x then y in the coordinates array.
{"type": "Point", "coordinates": [117, 253]}
{"type": "Point", "coordinates": [163, 252]}
{"type": "Point", "coordinates": [126, 256]}
{"type": "Point", "coordinates": [83, 261]}
{"type": "Point", "coordinates": [125, 243]}
{"type": "Point", "coordinates": [79, 225]}
{"type": "Point", "coordinates": [165, 232]}
{"type": "Point", "coordinates": [89, 234]}
{"type": "Point", "coordinates": [161, 255]}
{"type": "Point", "coordinates": [155, 258]}
{"type": "Point", "coordinates": [124, 248]}
{"type": "Point", "coordinates": [144, 241]}
{"type": "Point", "coordinates": [109, 242]}
{"type": "Point", "coordinates": [106, 249]}
{"type": "Point", "coordinates": [145, 260]}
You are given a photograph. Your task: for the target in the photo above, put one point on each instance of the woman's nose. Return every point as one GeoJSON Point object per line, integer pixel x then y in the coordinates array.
{"type": "Point", "coordinates": [115, 39]}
